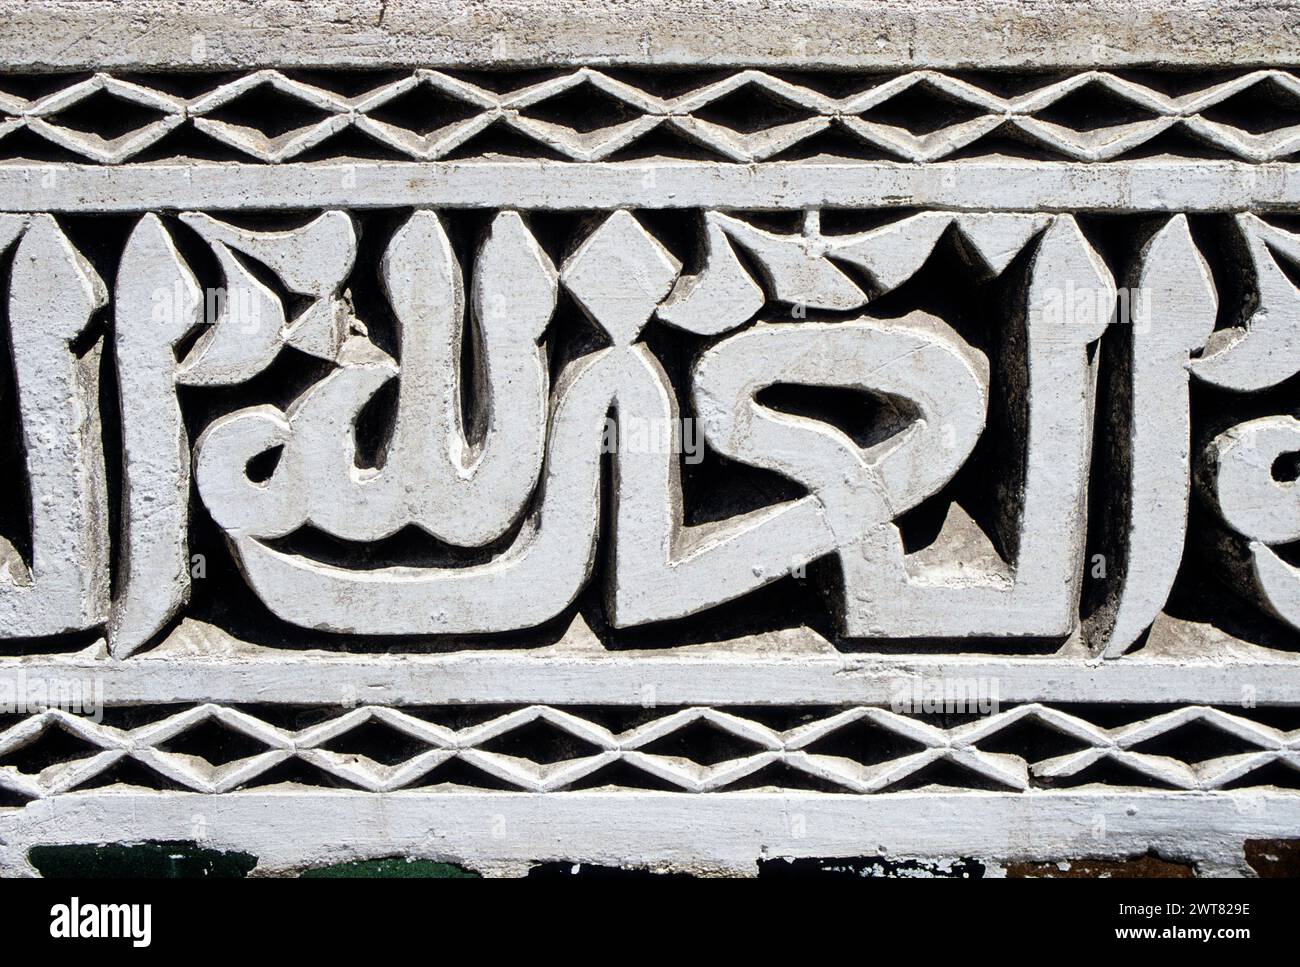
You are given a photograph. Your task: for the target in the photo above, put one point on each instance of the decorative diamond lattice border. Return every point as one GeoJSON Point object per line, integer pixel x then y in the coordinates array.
{"type": "Point", "coordinates": [793, 747]}
{"type": "Point", "coordinates": [989, 112]}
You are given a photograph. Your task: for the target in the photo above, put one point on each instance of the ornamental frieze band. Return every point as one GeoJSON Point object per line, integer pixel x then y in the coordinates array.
{"type": "Point", "coordinates": [785, 428]}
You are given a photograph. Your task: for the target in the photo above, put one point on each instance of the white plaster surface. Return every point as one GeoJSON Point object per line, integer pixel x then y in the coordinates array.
{"type": "Point", "coordinates": [558, 579]}
{"type": "Point", "coordinates": [873, 33]}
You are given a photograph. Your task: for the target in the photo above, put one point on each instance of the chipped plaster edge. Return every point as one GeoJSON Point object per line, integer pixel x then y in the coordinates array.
{"type": "Point", "coordinates": [714, 834]}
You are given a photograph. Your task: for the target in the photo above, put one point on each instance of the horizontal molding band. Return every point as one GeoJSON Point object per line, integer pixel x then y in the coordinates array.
{"type": "Point", "coordinates": [725, 831]}
{"type": "Point", "coordinates": [975, 185]}
{"type": "Point", "coordinates": [621, 679]}
{"type": "Point", "coordinates": [185, 34]}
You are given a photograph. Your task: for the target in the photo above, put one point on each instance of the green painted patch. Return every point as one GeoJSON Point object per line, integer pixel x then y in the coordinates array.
{"type": "Point", "coordinates": [164, 860]}
{"type": "Point", "coordinates": [392, 868]}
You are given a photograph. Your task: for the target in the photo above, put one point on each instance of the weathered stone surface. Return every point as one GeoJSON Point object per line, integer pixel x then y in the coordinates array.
{"type": "Point", "coordinates": [815, 33]}
{"type": "Point", "coordinates": [676, 468]}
